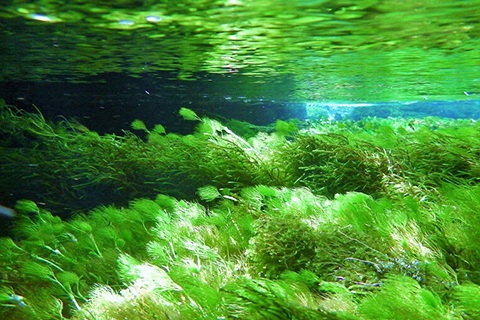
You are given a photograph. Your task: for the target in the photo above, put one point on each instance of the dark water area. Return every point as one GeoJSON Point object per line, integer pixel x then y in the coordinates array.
{"type": "Point", "coordinates": [110, 102]}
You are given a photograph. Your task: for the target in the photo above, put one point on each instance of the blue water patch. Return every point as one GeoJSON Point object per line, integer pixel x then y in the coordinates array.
{"type": "Point", "coordinates": [467, 109]}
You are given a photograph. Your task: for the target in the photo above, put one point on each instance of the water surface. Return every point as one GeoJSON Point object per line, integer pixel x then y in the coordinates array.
{"type": "Point", "coordinates": [304, 50]}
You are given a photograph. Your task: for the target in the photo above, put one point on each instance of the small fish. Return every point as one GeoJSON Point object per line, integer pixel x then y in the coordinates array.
{"type": "Point", "coordinates": [7, 212]}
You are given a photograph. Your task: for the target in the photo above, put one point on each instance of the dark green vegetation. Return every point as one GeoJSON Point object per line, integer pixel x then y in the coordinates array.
{"type": "Point", "coordinates": [375, 219]}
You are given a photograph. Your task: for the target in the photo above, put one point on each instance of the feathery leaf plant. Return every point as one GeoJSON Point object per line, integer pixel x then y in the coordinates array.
{"type": "Point", "coordinates": [376, 219]}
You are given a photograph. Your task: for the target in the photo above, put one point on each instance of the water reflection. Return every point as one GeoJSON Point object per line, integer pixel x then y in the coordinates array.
{"type": "Point", "coordinates": [347, 50]}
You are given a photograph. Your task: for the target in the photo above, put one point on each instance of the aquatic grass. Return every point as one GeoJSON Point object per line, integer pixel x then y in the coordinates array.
{"type": "Point", "coordinates": [281, 244]}
{"type": "Point", "coordinates": [354, 238]}
{"type": "Point", "coordinates": [354, 220]}
{"type": "Point", "coordinates": [402, 150]}
{"type": "Point", "coordinates": [399, 238]}
{"type": "Point", "coordinates": [380, 157]}
{"type": "Point", "coordinates": [228, 228]}
{"type": "Point", "coordinates": [403, 298]}
{"type": "Point", "coordinates": [65, 282]}
{"type": "Point", "coordinates": [363, 213]}
{"type": "Point", "coordinates": [454, 161]}
{"type": "Point", "coordinates": [266, 299]}
{"type": "Point", "coordinates": [458, 235]}
{"type": "Point", "coordinates": [299, 231]}
{"type": "Point", "coordinates": [270, 252]}
{"type": "Point", "coordinates": [65, 258]}
{"type": "Point", "coordinates": [466, 302]}
{"type": "Point", "coordinates": [180, 245]}
{"type": "Point", "coordinates": [331, 163]}
{"type": "Point", "coordinates": [87, 168]}
{"type": "Point", "coordinates": [134, 302]}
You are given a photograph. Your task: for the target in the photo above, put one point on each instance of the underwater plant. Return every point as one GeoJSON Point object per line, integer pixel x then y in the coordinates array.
{"type": "Point", "coordinates": [381, 157]}
{"type": "Point", "coordinates": [264, 252]}
{"type": "Point", "coordinates": [332, 163]}
{"type": "Point", "coordinates": [376, 219]}
{"type": "Point", "coordinates": [403, 298]}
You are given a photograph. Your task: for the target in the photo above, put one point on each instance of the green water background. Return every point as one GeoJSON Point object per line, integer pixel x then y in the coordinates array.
{"type": "Point", "coordinates": [370, 50]}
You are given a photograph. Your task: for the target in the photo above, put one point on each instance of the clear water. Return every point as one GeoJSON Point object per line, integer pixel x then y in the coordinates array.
{"type": "Point", "coordinates": [302, 51]}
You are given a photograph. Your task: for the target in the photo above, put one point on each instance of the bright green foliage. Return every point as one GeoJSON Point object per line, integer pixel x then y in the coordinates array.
{"type": "Point", "coordinates": [364, 214]}
{"type": "Point", "coordinates": [307, 258]}
{"type": "Point", "coordinates": [332, 163]}
{"type": "Point", "coordinates": [390, 158]}
{"type": "Point", "coordinates": [403, 298]}
{"type": "Point", "coordinates": [159, 129]}
{"type": "Point", "coordinates": [466, 301]}
{"type": "Point", "coordinates": [245, 129]}
{"type": "Point", "coordinates": [65, 259]}
{"type": "Point", "coordinates": [284, 128]}
{"type": "Point", "coordinates": [134, 302]}
{"type": "Point", "coordinates": [208, 193]}
{"type": "Point", "coordinates": [138, 125]}
{"type": "Point", "coordinates": [26, 207]}
{"type": "Point", "coordinates": [370, 220]}
{"type": "Point", "coordinates": [458, 234]}
{"type": "Point", "coordinates": [266, 299]}
{"type": "Point", "coordinates": [188, 114]}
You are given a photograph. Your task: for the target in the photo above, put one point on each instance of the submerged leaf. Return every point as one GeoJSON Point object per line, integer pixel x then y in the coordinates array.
{"type": "Point", "coordinates": [138, 125]}
{"type": "Point", "coordinates": [208, 193]}
{"type": "Point", "coordinates": [188, 114]}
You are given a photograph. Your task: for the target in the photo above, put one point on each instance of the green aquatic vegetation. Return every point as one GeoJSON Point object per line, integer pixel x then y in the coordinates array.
{"type": "Point", "coordinates": [209, 193]}
{"type": "Point", "coordinates": [65, 259]}
{"type": "Point", "coordinates": [246, 130]}
{"type": "Point", "coordinates": [331, 164]}
{"type": "Point", "coordinates": [264, 252]}
{"type": "Point", "coordinates": [397, 237]}
{"type": "Point", "coordinates": [215, 154]}
{"type": "Point", "coordinates": [354, 238]}
{"type": "Point", "coordinates": [267, 299]}
{"type": "Point", "coordinates": [325, 222]}
{"type": "Point", "coordinates": [138, 125]}
{"type": "Point", "coordinates": [458, 235]}
{"type": "Point", "coordinates": [364, 214]}
{"type": "Point", "coordinates": [140, 300]}
{"type": "Point", "coordinates": [341, 305]}
{"type": "Point", "coordinates": [466, 300]}
{"type": "Point", "coordinates": [63, 281]}
{"type": "Point", "coordinates": [284, 128]}
{"type": "Point", "coordinates": [84, 167]}
{"type": "Point", "coordinates": [23, 128]}
{"type": "Point", "coordinates": [400, 157]}
{"type": "Point", "coordinates": [403, 298]}
{"type": "Point", "coordinates": [456, 157]}
{"type": "Point", "coordinates": [184, 245]}
{"type": "Point", "coordinates": [59, 165]}
{"type": "Point", "coordinates": [380, 157]}
{"type": "Point", "coordinates": [281, 244]}
{"type": "Point", "coordinates": [188, 114]}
